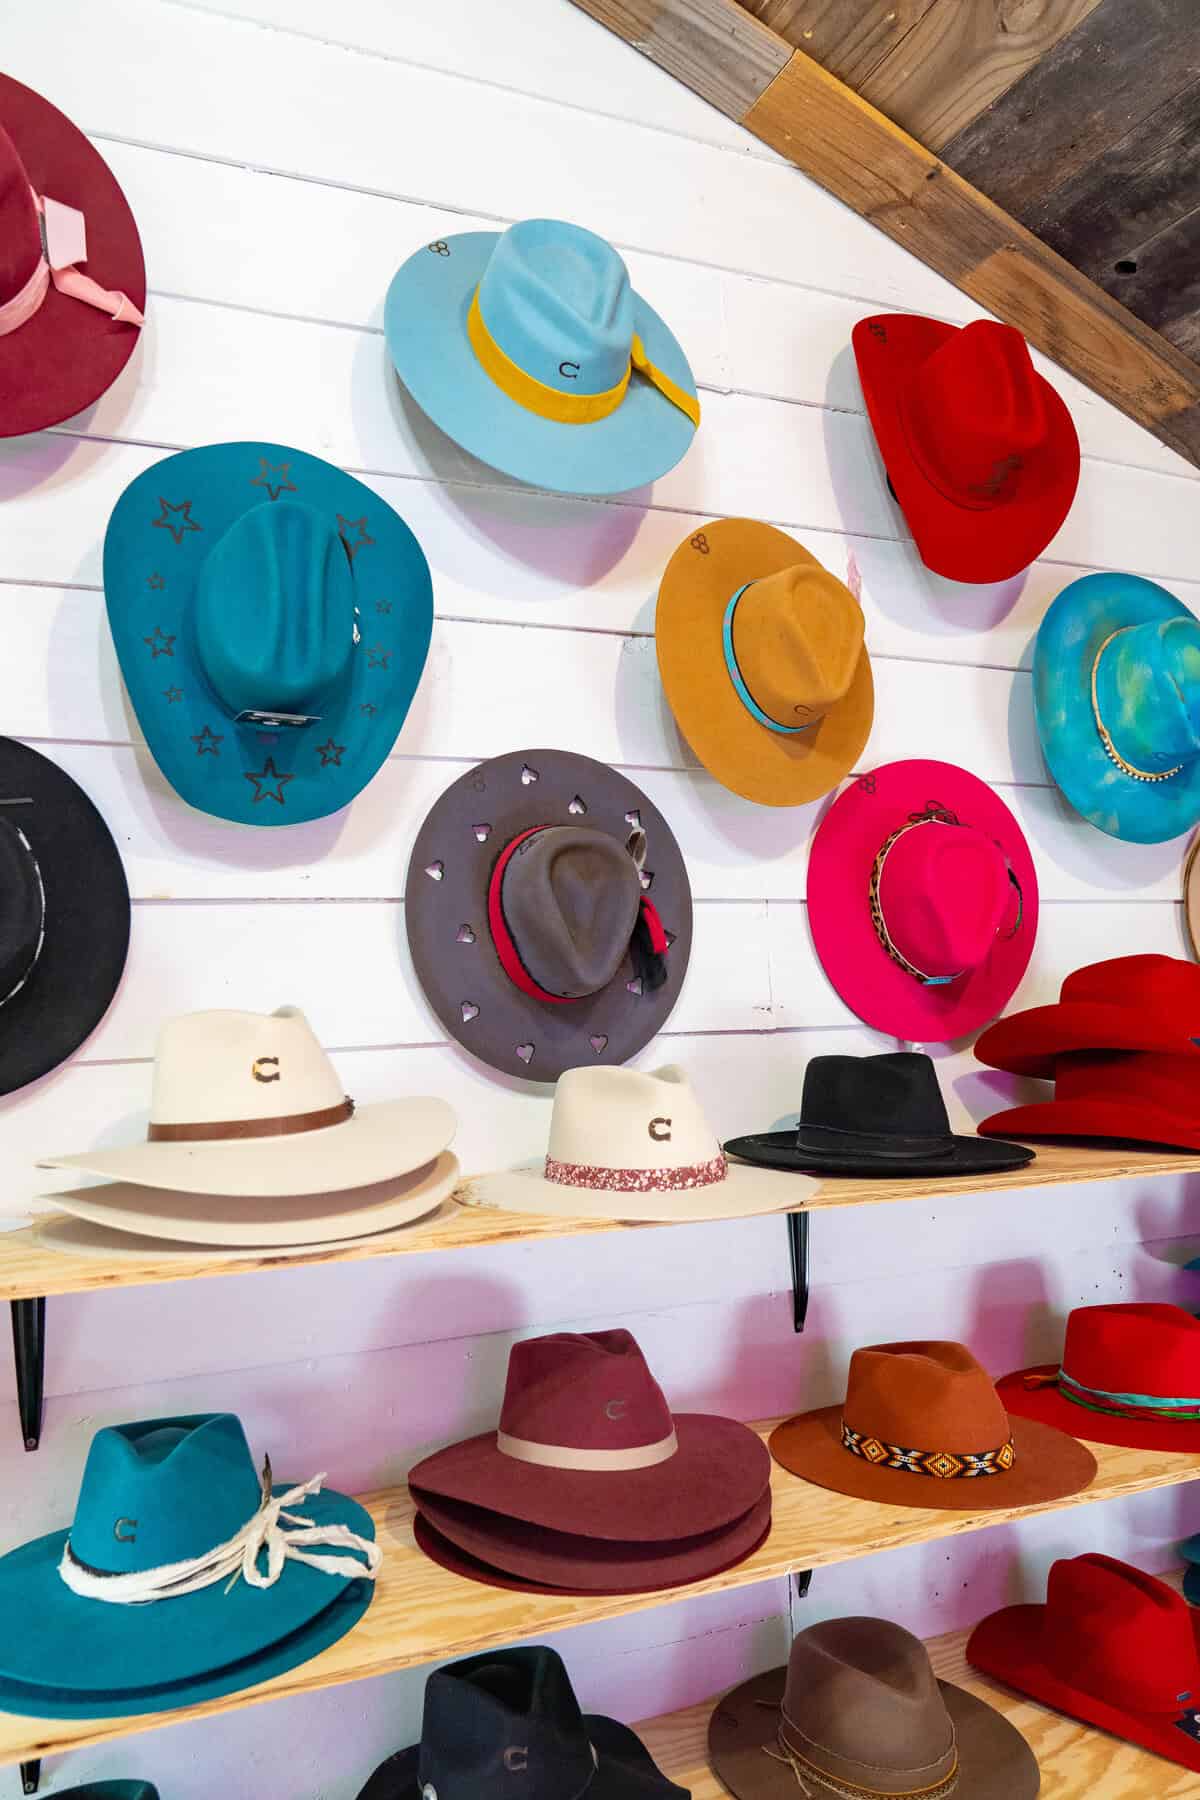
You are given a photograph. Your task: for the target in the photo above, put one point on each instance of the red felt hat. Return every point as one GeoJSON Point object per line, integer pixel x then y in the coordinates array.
{"type": "Point", "coordinates": [981, 452]}
{"type": "Point", "coordinates": [72, 279]}
{"type": "Point", "coordinates": [1111, 1646]}
{"type": "Point", "coordinates": [1125, 1003]}
{"type": "Point", "coordinates": [1130, 1375]}
{"type": "Point", "coordinates": [1134, 1096]}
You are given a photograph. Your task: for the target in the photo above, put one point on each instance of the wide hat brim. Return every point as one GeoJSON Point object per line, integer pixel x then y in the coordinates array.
{"type": "Point", "coordinates": [244, 772]}
{"type": "Point", "coordinates": [1048, 1465]}
{"type": "Point", "coordinates": [1030, 1042]}
{"type": "Point", "coordinates": [1069, 638]}
{"type": "Point", "coordinates": [1005, 1646]}
{"type": "Point", "coordinates": [743, 755]}
{"type": "Point", "coordinates": [843, 854]}
{"type": "Point", "coordinates": [743, 1194]}
{"type": "Point", "coordinates": [1128, 1123]}
{"type": "Point", "coordinates": [294, 1220]}
{"type": "Point", "coordinates": [718, 1472]}
{"type": "Point", "coordinates": [625, 1770]}
{"type": "Point", "coordinates": [72, 1643]}
{"type": "Point", "coordinates": [110, 1790]}
{"type": "Point", "coordinates": [63, 1233]}
{"type": "Point", "coordinates": [962, 543]}
{"type": "Point", "coordinates": [380, 1143]}
{"type": "Point", "coordinates": [425, 323]}
{"type": "Point", "coordinates": [72, 983]}
{"type": "Point", "coordinates": [963, 1156]}
{"type": "Point", "coordinates": [1050, 1406]}
{"type": "Point", "coordinates": [446, 899]}
{"type": "Point", "coordinates": [68, 354]}
{"type": "Point", "coordinates": [994, 1761]}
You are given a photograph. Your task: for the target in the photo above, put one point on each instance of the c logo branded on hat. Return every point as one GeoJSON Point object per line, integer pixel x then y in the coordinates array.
{"type": "Point", "coordinates": [265, 1062]}
{"type": "Point", "coordinates": [660, 1130]}
{"type": "Point", "coordinates": [616, 1409]}
{"type": "Point", "coordinates": [125, 1537]}
{"type": "Point", "coordinates": [570, 370]}
{"type": "Point", "coordinates": [516, 1758]}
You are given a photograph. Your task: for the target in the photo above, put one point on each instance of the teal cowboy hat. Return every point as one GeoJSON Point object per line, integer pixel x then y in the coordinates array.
{"type": "Point", "coordinates": [183, 1574]}
{"type": "Point", "coordinates": [1116, 694]}
{"type": "Point", "coordinates": [531, 349]}
{"type": "Point", "coordinates": [111, 1790]}
{"type": "Point", "coordinates": [272, 617]}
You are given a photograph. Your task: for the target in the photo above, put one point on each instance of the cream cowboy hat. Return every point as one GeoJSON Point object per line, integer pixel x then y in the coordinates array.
{"type": "Point", "coordinates": [627, 1145]}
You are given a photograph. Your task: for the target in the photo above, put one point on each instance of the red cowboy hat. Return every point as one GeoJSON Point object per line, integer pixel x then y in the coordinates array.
{"type": "Point", "coordinates": [1130, 1375]}
{"type": "Point", "coordinates": [1133, 1096]}
{"type": "Point", "coordinates": [1125, 1003]}
{"type": "Point", "coordinates": [1111, 1646]}
{"type": "Point", "coordinates": [65, 333]}
{"type": "Point", "coordinates": [981, 453]}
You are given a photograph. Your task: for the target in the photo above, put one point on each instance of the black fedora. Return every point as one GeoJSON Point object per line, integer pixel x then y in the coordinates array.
{"type": "Point", "coordinates": [64, 916]}
{"type": "Point", "coordinates": [507, 1724]}
{"type": "Point", "coordinates": [876, 1115]}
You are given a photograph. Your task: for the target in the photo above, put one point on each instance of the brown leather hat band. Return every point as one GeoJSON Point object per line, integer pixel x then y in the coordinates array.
{"type": "Point", "coordinates": [216, 1130]}
{"type": "Point", "coordinates": [938, 1780]}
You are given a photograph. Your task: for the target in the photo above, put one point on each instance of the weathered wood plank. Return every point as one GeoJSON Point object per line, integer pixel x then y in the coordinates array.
{"type": "Point", "coordinates": [721, 52]}
{"type": "Point", "coordinates": [1163, 284]}
{"type": "Point", "coordinates": [850, 38]}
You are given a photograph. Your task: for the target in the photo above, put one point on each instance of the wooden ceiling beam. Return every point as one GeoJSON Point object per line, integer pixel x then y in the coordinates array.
{"type": "Point", "coordinates": [840, 140]}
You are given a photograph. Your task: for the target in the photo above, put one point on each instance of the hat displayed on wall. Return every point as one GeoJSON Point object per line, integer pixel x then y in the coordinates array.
{"type": "Point", "coordinates": [252, 1139]}
{"type": "Point", "coordinates": [1116, 695]}
{"type": "Point", "coordinates": [1130, 1374]}
{"type": "Point", "coordinates": [111, 1790]}
{"type": "Point", "coordinates": [878, 1116]}
{"type": "Point", "coordinates": [923, 1425]}
{"type": "Point", "coordinates": [65, 334]}
{"type": "Point", "coordinates": [1133, 1096]}
{"type": "Point", "coordinates": [272, 635]}
{"type": "Point", "coordinates": [515, 1710]}
{"type": "Point", "coordinates": [922, 900]}
{"type": "Point", "coordinates": [530, 348]}
{"type": "Point", "coordinates": [208, 1569]}
{"type": "Point", "coordinates": [981, 452]}
{"type": "Point", "coordinates": [1147, 1002]}
{"type": "Point", "coordinates": [591, 1483]}
{"type": "Point", "coordinates": [858, 1711]}
{"type": "Point", "coordinates": [63, 941]}
{"type": "Point", "coordinates": [628, 1145]}
{"type": "Point", "coordinates": [549, 913]}
{"type": "Point", "coordinates": [762, 658]}
{"type": "Point", "coordinates": [1111, 1646]}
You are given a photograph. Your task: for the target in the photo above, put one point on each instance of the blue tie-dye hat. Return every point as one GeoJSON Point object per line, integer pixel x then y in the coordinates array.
{"type": "Point", "coordinates": [1116, 694]}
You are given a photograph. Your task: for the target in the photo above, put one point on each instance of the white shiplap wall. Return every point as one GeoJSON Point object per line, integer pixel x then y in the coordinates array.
{"type": "Point", "coordinates": [282, 157]}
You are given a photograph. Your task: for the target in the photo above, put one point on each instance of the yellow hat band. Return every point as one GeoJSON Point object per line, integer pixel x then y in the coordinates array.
{"type": "Point", "coordinates": [568, 409]}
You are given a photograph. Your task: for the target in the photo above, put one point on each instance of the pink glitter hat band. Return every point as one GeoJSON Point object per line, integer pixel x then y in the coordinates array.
{"type": "Point", "coordinates": [637, 1181]}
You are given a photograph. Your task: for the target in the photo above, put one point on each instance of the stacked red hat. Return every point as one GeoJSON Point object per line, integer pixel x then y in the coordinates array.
{"type": "Point", "coordinates": [1122, 1047]}
{"type": "Point", "coordinates": [591, 1484]}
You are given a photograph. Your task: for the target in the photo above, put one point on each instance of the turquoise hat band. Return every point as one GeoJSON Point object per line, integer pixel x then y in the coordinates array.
{"type": "Point", "coordinates": [735, 675]}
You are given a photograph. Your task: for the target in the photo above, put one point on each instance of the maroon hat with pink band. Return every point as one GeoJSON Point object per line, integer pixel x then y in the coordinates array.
{"type": "Point", "coordinates": [591, 1483]}
{"type": "Point", "coordinates": [549, 913]}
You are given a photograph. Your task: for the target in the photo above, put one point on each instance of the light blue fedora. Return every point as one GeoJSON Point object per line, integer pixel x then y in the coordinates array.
{"type": "Point", "coordinates": [1116, 694]}
{"type": "Point", "coordinates": [272, 617]}
{"type": "Point", "coordinates": [530, 348]}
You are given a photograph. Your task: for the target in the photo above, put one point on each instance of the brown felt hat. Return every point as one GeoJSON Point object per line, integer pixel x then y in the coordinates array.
{"type": "Point", "coordinates": [859, 1711]}
{"type": "Point", "coordinates": [549, 913]}
{"type": "Point", "coordinates": [761, 654]}
{"type": "Point", "coordinates": [923, 1425]}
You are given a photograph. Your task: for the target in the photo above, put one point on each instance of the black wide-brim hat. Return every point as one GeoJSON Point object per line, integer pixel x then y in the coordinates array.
{"type": "Point", "coordinates": [811, 1151]}
{"type": "Point", "coordinates": [625, 1770]}
{"type": "Point", "coordinates": [71, 984]}
{"type": "Point", "coordinates": [446, 910]}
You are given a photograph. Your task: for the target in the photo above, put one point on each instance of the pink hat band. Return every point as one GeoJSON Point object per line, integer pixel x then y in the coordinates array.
{"type": "Point", "coordinates": [941, 894]}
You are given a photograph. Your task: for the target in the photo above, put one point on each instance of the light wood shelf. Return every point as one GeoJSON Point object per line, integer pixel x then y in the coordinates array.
{"type": "Point", "coordinates": [29, 1269]}
{"type": "Point", "coordinates": [422, 1613]}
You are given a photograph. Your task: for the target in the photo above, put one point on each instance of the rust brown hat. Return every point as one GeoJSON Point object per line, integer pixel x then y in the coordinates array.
{"type": "Point", "coordinates": [858, 1713]}
{"type": "Point", "coordinates": [923, 1425]}
{"type": "Point", "coordinates": [761, 654]}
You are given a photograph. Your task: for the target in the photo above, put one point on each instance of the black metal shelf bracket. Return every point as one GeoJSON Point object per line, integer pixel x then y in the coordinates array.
{"type": "Point", "coordinates": [31, 1775]}
{"type": "Point", "coordinates": [29, 1354]}
{"type": "Point", "coordinates": [798, 1227]}
{"type": "Point", "coordinates": [803, 1583]}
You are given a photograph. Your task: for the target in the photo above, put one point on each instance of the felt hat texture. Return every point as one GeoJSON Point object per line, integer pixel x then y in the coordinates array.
{"type": "Point", "coordinates": [858, 1710]}
{"type": "Point", "coordinates": [762, 658]}
{"type": "Point", "coordinates": [922, 900]}
{"type": "Point", "coordinates": [631, 1145]}
{"type": "Point", "coordinates": [114, 1243]}
{"type": "Point", "coordinates": [1129, 1375]}
{"type": "Point", "coordinates": [527, 906]}
{"type": "Point", "coordinates": [923, 1425]}
{"type": "Point", "coordinates": [512, 1715]}
{"type": "Point", "coordinates": [517, 343]}
{"type": "Point", "coordinates": [1132, 1096]}
{"type": "Point", "coordinates": [111, 1790]}
{"type": "Point", "coordinates": [272, 617]}
{"type": "Point", "coordinates": [64, 353]}
{"type": "Point", "coordinates": [1123, 1003]}
{"type": "Point", "coordinates": [980, 450]}
{"type": "Point", "coordinates": [876, 1116]}
{"type": "Point", "coordinates": [1111, 1646]}
{"type": "Point", "coordinates": [1116, 696]}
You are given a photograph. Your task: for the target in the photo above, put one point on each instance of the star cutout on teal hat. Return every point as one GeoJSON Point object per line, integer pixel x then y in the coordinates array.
{"type": "Point", "coordinates": [383, 606]}
{"type": "Point", "coordinates": [207, 740]}
{"type": "Point", "coordinates": [274, 477]}
{"type": "Point", "coordinates": [378, 657]}
{"type": "Point", "coordinates": [172, 694]}
{"type": "Point", "coordinates": [162, 643]}
{"type": "Point", "coordinates": [155, 581]}
{"type": "Point", "coordinates": [331, 753]}
{"type": "Point", "coordinates": [359, 527]}
{"type": "Point", "coordinates": [269, 783]}
{"type": "Point", "coordinates": [368, 707]}
{"type": "Point", "coordinates": [177, 526]}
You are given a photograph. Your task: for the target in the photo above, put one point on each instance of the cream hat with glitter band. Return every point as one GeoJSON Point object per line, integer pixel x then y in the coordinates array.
{"type": "Point", "coordinates": [628, 1145]}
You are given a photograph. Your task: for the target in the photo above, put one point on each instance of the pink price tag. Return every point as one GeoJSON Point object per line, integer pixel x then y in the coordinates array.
{"type": "Point", "coordinates": [66, 236]}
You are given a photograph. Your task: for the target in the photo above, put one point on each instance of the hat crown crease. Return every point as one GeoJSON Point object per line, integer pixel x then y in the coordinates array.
{"type": "Point", "coordinates": [240, 1066]}
{"type": "Point", "coordinates": [1147, 681]}
{"type": "Point", "coordinates": [973, 412]}
{"type": "Point", "coordinates": [557, 300]}
{"type": "Point", "coordinates": [894, 1094]}
{"type": "Point", "coordinates": [945, 892]}
{"type": "Point", "coordinates": [929, 1395]}
{"type": "Point", "coordinates": [798, 638]}
{"type": "Point", "coordinates": [588, 1391]}
{"type": "Point", "coordinates": [619, 1118]}
{"type": "Point", "coordinates": [570, 897]}
{"type": "Point", "coordinates": [1148, 1347]}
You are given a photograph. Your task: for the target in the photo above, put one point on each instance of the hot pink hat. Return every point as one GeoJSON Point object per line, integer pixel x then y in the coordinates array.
{"type": "Point", "coordinates": [922, 900]}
